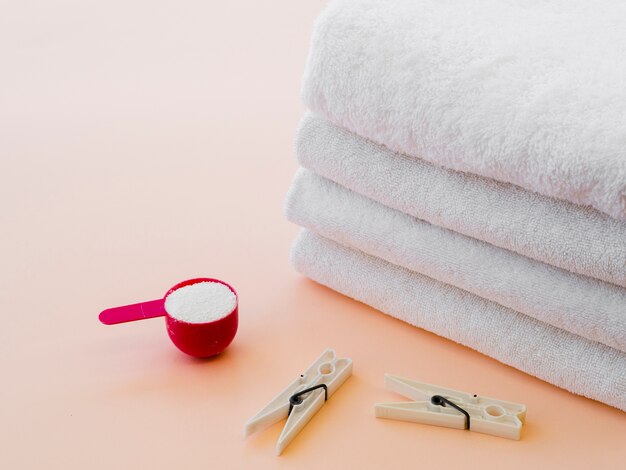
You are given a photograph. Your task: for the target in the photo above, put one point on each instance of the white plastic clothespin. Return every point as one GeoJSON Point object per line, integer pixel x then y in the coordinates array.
{"type": "Point", "coordinates": [302, 398]}
{"type": "Point", "coordinates": [453, 409]}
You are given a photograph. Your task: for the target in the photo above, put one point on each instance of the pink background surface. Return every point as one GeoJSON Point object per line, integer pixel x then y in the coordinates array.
{"type": "Point", "coordinates": [143, 143]}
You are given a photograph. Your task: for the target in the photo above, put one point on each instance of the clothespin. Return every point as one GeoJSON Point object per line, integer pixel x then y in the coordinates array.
{"type": "Point", "coordinates": [302, 398]}
{"type": "Point", "coordinates": [453, 409]}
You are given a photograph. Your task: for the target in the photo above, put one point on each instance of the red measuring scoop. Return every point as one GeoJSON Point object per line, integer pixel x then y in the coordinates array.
{"type": "Point", "coordinates": [195, 339]}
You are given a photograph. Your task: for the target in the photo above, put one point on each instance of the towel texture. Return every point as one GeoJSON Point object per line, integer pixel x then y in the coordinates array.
{"type": "Point", "coordinates": [556, 356]}
{"type": "Point", "coordinates": [576, 238]}
{"type": "Point", "coordinates": [529, 93]}
{"type": "Point", "coordinates": [582, 305]}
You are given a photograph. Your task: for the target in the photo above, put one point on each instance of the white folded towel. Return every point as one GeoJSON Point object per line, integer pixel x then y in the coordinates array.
{"type": "Point", "coordinates": [590, 308]}
{"type": "Point", "coordinates": [576, 238]}
{"type": "Point", "coordinates": [556, 356]}
{"type": "Point", "coordinates": [530, 93]}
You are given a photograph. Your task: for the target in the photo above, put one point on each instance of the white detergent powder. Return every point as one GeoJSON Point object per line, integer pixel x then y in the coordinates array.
{"type": "Point", "coordinates": [200, 303]}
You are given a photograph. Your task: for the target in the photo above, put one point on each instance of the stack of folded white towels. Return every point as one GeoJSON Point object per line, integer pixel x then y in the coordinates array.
{"type": "Point", "coordinates": [464, 170]}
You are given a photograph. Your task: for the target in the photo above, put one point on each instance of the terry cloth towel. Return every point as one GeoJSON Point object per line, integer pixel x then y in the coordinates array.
{"type": "Point", "coordinates": [576, 238]}
{"type": "Point", "coordinates": [556, 356]}
{"type": "Point", "coordinates": [578, 304]}
{"type": "Point", "coordinates": [529, 93]}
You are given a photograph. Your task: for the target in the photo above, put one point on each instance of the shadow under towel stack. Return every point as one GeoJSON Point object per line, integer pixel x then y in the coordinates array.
{"type": "Point", "coordinates": [464, 170]}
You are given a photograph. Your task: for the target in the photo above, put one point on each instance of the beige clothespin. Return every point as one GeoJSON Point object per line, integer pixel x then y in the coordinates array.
{"type": "Point", "coordinates": [302, 398]}
{"type": "Point", "coordinates": [453, 409]}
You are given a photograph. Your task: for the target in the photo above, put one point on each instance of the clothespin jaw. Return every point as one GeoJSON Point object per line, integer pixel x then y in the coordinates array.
{"type": "Point", "coordinates": [302, 398]}
{"type": "Point", "coordinates": [446, 407]}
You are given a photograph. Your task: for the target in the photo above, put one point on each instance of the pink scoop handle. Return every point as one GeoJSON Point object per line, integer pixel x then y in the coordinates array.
{"type": "Point", "coordinates": [140, 311]}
